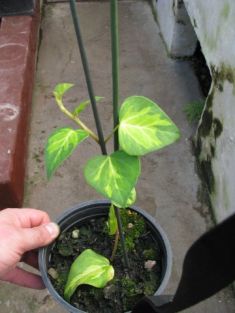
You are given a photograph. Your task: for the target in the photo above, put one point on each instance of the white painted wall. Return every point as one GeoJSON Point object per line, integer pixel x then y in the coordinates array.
{"type": "Point", "coordinates": [214, 24]}
{"type": "Point", "coordinates": [216, 31]}
{"type": "Point", "coordinates": [177, 31]}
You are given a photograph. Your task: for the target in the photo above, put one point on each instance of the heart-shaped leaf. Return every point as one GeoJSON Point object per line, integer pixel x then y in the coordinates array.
{"type": "Point", "coordinates": [89, 268]}
{"type": "Point", "coordinates": [60, 146]}
{"type": "Point", "coordinates": [144, 127]}
{"type": "Point", "coordinates": [84, 104]}
{"type": "Point", "coordinates": [113, 176]}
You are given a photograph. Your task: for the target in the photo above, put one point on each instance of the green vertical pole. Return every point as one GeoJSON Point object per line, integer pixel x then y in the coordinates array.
{"type": "Point", "coordinates": [87, 75]}
{"type": "Point", "coordinates": [115, 66]}
{"type": "Point", "coordinates": [115, 78]}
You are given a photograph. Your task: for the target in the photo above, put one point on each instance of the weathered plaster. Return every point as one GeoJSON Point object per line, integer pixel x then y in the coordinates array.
{"type": "Point", "coordinates": [215, 29]}
{"type": "Point", "coordinates": [214, 24]}
{"type": "Point", "coordinates": [216, 147]}
{"type": "Point", "coordinates": [216, 133]}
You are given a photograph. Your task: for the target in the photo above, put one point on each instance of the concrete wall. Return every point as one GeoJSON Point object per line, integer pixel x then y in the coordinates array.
{"type": "Point", "coordinates": [214, 24]}
{"type": "Point", "coordinates": [176, 28]}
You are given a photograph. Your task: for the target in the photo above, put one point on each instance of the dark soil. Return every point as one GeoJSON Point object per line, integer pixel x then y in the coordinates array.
{"type": "Point", "coordinates": [126, 288]}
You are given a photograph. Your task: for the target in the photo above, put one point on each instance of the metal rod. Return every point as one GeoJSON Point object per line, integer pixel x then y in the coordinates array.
{"type": "Point", "coordinates": [87, 75]}
{"type": "Point", "coordinates": [115, 66]}
{"type": "Point", "coordinates": [115, 78]}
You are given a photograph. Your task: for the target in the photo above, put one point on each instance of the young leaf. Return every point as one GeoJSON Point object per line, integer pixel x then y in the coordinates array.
{"type": "Point", "coordinates": [84, 104]}
{"type": "Point", "coordinates": [60, 146]}
{"type": "Point", "coordinates": [60, 90]}
{"type": "Point", "coordinates": [89, 268]}
{"type": "Point", "coordinates": [113, 176]}
{"type": "Point", "coordinates": [144, 127]}
{"type": "Point", "coordinates": [112, 221]}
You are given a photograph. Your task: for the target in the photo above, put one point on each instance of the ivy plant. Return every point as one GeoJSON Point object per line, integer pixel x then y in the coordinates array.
{"type": "Point", "coordinates": [140, 127]}
{"type": "Point", "coordinates": [143, 127]}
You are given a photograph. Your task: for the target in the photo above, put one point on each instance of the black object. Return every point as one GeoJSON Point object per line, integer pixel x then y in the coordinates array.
{"type": "Point", "coordinates": [16, 7]}
{"type": "Point", "coordinates": [94, 209]}
{"type": "Point", "coordinates": [209, 266]}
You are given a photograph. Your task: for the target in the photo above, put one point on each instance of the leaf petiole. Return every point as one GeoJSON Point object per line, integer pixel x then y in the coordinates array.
{"type": "Point", "coordinates": [76, 119]}
{"type": "Point", "coordinates": [111, 135]}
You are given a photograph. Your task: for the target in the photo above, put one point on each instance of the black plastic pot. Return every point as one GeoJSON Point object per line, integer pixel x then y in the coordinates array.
{"type": "Point", "coordinates": [91, 210]}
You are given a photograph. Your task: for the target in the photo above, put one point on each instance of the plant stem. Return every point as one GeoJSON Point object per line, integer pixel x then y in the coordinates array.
{"type": "Point", "coordinates": [115, 246]}
{"type": "Point", "coordinates": [115, 66]}
{"type": "Point", "coordinates": [115, 77]}
{"type": "Point", "coordinates": [77, 120]}
{"type": "Point", "coordinates": [121, 233]}
{"type": "Point", "coordinates": [87, 75]}
{"type": "Point", "coordinates": [111, 135]}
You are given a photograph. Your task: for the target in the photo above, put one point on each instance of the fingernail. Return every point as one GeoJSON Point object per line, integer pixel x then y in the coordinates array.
{"type": "Point", "coordinates": [53, 229]}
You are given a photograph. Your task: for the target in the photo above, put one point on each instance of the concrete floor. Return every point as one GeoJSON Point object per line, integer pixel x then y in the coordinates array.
{"type": "Point", "coordinates": [168, 188]}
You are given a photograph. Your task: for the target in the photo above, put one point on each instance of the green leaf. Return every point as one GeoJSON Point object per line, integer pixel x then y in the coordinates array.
{"type": "Point", "coordinates": [89, 268]}
{"type": "Point", "coordinates": [60, 90]}
{"type": "Point", "coordinates": [112, 221]}
{"type": "Point", "coordinates": [144, 127]}
{"type": "Point", "coordinates": [84, 104]}
{"type": "Point", "coordinates": [131, 200]}
{"type": "Point", "coordinates": [60, 146]}
{"type": "Point", "coordinates": [113, 176]}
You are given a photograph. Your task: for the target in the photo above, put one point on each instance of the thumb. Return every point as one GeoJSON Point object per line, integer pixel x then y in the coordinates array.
{"type": "Point", "coordinates": [40, 236]}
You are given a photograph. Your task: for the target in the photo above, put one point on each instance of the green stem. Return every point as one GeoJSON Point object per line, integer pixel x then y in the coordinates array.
{"type": "Point", "coordinates": [115, 66]}
{"type": "Point", "coordinates": [111, 135]}
{"type": "Point", "coordinates": [122, 238]}
{"type": "Point", "coordinates": [115, 78]}
{"type": "Point", "coordinates": [76, 120]}
{"type": "Point", "coordinates": [115, 246]}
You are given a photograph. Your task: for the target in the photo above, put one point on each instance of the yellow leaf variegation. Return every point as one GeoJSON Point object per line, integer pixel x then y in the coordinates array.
{"type": "Point", "coordinates": [114, 176]}
{"type": "Point", "coordinates": [144, 127]}
{"type": "Point", "coordinates": [60, 145]}
{"type": "Point", "coordinates": [89, 268]}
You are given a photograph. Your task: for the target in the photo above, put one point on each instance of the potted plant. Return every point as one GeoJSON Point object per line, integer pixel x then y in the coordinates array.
{"type": "Point", "coordinates": [109, 253]}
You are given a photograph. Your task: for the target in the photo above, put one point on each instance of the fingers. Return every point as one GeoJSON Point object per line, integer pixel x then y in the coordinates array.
{"type": "Point", "coordinates": [33, 238]}
{"type": "Point", "coordinates": [25, 218]}
{"type": "Point", "coordinates": [23, 278]}
{"type": "Point", "coordinates": [32, 217]}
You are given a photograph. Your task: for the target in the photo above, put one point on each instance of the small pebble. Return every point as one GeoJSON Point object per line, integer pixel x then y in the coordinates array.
{"type": "Point", "coordinates": [148, 265]}
{"type": "Point", "coordinates": [53, 273]}
{"type": "Point", "coordinates": [109, 291]}
{"type": "Point", "coordinates": [75, 234]}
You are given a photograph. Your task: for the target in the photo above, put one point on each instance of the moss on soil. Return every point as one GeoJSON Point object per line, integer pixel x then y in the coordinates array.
{"type": "Point", "coordinates": [124, 290]}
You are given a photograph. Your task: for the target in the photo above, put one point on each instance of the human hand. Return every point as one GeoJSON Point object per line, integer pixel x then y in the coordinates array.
{"type": "Point", "coordinates": [21, 232]}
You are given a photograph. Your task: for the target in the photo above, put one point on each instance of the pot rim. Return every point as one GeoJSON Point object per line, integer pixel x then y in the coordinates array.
{"type": "Point", "coordinates": [83, 205]}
